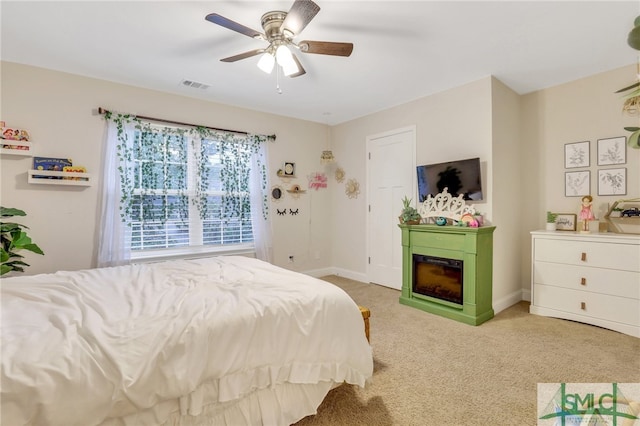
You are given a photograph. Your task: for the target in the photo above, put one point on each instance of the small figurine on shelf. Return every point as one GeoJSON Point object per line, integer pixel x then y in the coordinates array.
{"type": "Point", "coordinates": [585, 212]}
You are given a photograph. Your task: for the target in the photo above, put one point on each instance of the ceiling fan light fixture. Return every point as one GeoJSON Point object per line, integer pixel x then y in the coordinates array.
{"type": "Point", "coordinates": [266, 62]}
{"type": "Point", "coordinates": [286, 61]}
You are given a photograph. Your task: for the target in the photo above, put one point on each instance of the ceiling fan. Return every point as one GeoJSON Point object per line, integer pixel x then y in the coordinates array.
{"type": "Point", "coordinates": [280, 28]}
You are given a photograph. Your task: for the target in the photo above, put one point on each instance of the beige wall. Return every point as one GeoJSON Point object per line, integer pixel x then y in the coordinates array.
{"type": "Point", "coordinates": [582, 110]}
{"type": "Point", "coordinates": [520, 140]}
{"type": "Point", "coordinates": [450, 125]}
{"type": "Point", "coordinates": [479, 119]}
{"type": "Point", "coordinates": [506, 184]}
{"type": "Point", "coordinates": [57, 109]}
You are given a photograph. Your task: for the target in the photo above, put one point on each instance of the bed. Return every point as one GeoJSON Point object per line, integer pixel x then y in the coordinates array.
{"type": "Point", "coordinates": [225, 340]}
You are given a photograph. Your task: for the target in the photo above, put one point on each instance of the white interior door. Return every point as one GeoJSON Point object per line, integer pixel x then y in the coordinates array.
{"type": "Point", "coordinates": [391, 174]}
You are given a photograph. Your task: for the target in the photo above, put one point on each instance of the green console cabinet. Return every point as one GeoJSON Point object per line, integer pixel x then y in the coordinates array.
{"type": "Point", "coordinates": [448, 271]}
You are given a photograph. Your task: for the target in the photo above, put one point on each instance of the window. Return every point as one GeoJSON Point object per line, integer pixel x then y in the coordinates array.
{"type": "Point", "coordinates": [179, 190]}
{"type": "Point", "coordinates": [166, 170]}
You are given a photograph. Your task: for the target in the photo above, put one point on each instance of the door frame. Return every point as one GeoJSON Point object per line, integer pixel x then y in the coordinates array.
{"type": "Point", "coordinates": [369, 142]}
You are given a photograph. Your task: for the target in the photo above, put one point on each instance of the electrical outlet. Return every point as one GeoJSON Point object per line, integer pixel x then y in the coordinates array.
{"type": "Point", "coordinates": [291, 258]}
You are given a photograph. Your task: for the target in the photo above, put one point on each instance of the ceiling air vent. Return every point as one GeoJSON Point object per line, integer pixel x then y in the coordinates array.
{"type": "Point", "coordinates": [195, 84]}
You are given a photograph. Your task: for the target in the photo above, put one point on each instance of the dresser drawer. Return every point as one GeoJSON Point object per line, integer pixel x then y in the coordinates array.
{"type": "Point", "coordinates": [603, 255]}
{"type": "Point", "coordinates": [583, 278]}
{"type": "Point", "coordinates": [610, 308]}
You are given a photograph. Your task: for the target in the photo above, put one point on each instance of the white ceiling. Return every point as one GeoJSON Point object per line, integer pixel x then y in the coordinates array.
{"type": "Point", "coordinates": [402, 50]}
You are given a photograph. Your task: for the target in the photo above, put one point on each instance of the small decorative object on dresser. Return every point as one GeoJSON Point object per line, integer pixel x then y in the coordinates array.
{"type": "Point", "coordinates": [551, 221]}
{"type": "Point", "coordinates": [592, 278]}
{"type": "Point", "coordinates": [586, 214]}
{"type": "Point", "coordinates": [623, 216]}
{"type": "Point", "coordinates": [565, 222]}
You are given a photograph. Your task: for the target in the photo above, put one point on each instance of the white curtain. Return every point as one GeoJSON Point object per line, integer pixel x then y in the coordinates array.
{"type": "Point", "coordinates": [114, 238]}
{"type": "Point", "coordinates": [259, 205]}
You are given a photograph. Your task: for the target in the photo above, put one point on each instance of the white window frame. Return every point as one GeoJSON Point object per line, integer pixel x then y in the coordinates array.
{"type": "Point", "coordinates": [196, 248]}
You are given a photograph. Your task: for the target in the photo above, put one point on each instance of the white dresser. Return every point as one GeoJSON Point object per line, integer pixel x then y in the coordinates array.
{"type": "Point", "coordinates": [591, 278]}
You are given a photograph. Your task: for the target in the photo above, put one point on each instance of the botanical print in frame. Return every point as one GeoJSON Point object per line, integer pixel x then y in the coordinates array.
{"type": "Point", "coordinates": [566, 222]}
{"type": "Point", "coordinates": [612, 151]}
{"type": "Point", "coordinates": [576, 154]}
{"type": "Point", "coordinates": [612, 181]}
{"type": "Point", "coordinates": [576, 184]}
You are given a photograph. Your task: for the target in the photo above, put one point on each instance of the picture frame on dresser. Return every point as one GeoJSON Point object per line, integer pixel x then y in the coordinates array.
{"type": "Point", "coordinates": [577, 184]}
{"type": "Point", "coordinates": [566, 222]}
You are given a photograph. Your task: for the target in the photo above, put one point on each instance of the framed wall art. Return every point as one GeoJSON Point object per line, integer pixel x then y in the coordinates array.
{"type": "Point", "coordinates": [576, 184]}
{"type": "Point", "coordinates": [289, 169]}
{"type": "Point", "coordinates": [566, 222]}
{"type": "Point", "coordinates": [612, 181]}
{"type": "Point", "coordinates": [276, 193]}
{"type": "Point", "coordinates": [612, 151]}
{"type": "Point", "coordinates": [576, 154]}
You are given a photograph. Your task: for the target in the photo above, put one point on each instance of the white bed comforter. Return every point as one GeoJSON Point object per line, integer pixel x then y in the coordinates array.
{"type": "Point", "coordinates": [91, 346]}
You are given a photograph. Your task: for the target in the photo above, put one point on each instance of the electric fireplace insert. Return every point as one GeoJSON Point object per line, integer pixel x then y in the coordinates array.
{"type": "Point", "coordinates": [438, 277]}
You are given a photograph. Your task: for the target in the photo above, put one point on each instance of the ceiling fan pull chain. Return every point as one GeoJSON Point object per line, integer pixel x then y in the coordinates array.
{"type": "Point", "coordinates": [278, 80]}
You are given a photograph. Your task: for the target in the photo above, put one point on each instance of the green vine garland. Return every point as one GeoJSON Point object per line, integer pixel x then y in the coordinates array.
{"type": "Point", "coordinates": [164, 170]}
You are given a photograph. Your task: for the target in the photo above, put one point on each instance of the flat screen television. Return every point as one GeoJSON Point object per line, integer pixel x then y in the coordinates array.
{"type": "Point", "coordinates": [459, 177]}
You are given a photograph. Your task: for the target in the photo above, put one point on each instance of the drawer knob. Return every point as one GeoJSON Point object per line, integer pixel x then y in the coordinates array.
{"type": "Point", "coordinates": [583, 306]}
{"type": "Point", "coordinates": [583, 281]}
{"type": "Point", "coordinates": [583, 257]}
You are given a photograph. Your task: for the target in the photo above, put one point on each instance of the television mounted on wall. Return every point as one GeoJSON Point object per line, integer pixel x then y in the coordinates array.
{"type": "Point", "coordinates": [459, 177]}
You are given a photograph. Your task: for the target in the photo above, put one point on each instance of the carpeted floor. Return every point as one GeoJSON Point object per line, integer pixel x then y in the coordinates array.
{"type": "Point", "coordinates": [430, 370]}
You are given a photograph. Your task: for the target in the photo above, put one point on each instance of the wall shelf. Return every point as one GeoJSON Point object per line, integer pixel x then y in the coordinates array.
{"type": "Point", "coordinates": [64, 178]}
{"type": "Point", "coordinates": [24, 149]}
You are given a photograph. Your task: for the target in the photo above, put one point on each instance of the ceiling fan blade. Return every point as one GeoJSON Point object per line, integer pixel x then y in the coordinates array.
{"type": "Point", "coordinates": [326, 47]}
{"type": "Point", "coordinates": [234, 26]}
{"type": "Point", "coordinates": [244, 55]}
{"type": "Point", "coordinates": [301, 13]}
{"type": "Point", "coordinates": [300, 68]}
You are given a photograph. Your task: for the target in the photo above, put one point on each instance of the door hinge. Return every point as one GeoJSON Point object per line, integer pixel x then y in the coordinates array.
{"type": "Point", "coordinates": [369, 156]}
{"type": "Point", "coordinates": [369, 260]}
{"type": "Point", "coordinates": [369, 208]}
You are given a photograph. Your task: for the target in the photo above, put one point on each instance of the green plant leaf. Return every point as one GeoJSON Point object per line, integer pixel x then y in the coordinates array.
{"type": "Point", "coordinates": [20, 240]}
{"type": "Point", "coordinates": [10, 226]}
{"type": "Point", "coordinates": [632, 94]}
{"type": "Point", "coordinates": [633, 140]}
{"type": "Point", "coordinates": [632, 129]}
{"type": "Point", "coordinates": [14, 238]}
{"type": "Point", "coordinates": [33, 247]}
{"type": "Point", "coordinates": [10, 211]}
{"type": "Point", "coordinates": [636, 84]}
{"type": "Point", "coordinates": [4, 255]}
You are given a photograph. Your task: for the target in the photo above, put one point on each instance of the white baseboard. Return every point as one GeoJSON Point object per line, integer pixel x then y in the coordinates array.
{"type": "Point", "coordinates": [509, 300]}
{"type": "Point", "coordinates": [357, 276]}
{"type": "Point", "coordinates": [317, 273]}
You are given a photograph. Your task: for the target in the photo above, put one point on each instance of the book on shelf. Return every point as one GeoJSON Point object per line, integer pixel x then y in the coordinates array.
{"type": "Point", "coordinates": [50, 164]}
{"type": "Point", "coordinates": [75, 169]}
{"type": "Point", "coordinates": [16, 147]}
{"type": "Point", "coordinates": [10, 133]}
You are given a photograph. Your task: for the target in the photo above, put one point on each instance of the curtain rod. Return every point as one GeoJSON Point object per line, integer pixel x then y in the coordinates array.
{"type": "Point", "coordinates": [102, 111]}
